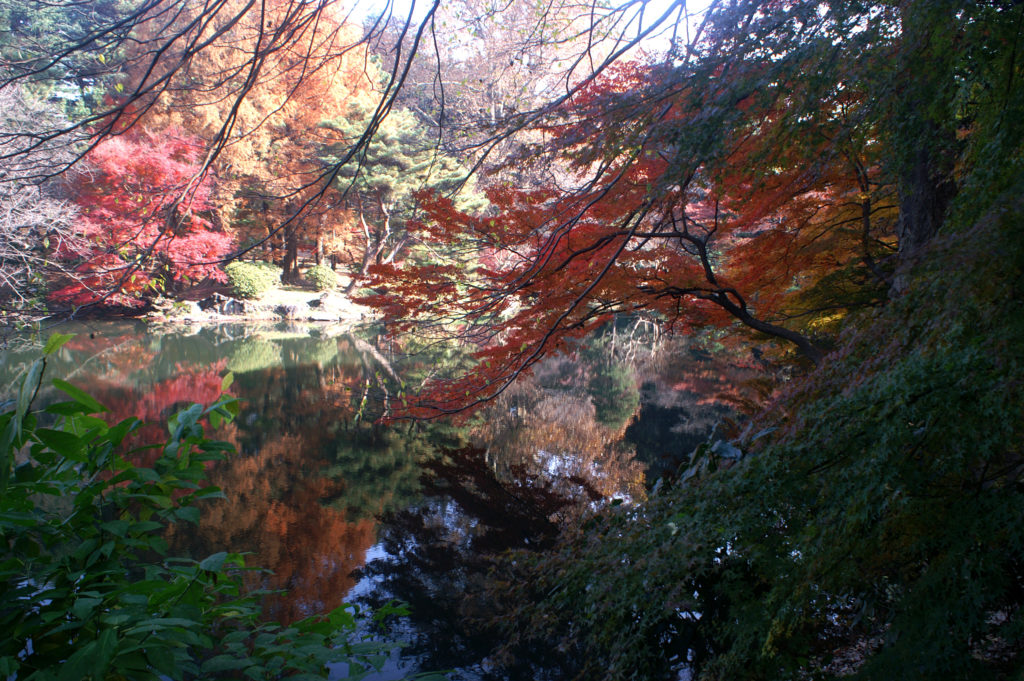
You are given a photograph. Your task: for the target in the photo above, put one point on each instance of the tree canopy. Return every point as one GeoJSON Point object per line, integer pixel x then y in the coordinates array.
{"type": "Point", "coordinates": [837, 182]}
{"type": "Point", "coordinates": [781, 171]}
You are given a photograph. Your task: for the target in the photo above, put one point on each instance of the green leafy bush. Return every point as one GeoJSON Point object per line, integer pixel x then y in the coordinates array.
{"type": "Point", "coordinates": [252, 279]}
{"type": "Point", "coordinates": [322, 278]}
{"type": "Point", "coordinates": [86, 587]}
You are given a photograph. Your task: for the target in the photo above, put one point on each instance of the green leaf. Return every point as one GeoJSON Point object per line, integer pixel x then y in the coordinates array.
{"type": "Point", "coordinates": [223, 663]}
{"type": "Point", "coordinates": [66, 444]}
{"type": "Point", "coordinates": [214, 562]}
{"type": "Point", "coordinates": [56, 341]}
{"type": "Point", "coordinates": [189, 514]}
{"type": "Point", "coordinates": [83, 607]}
{"type": "Point", "coordinates": [162, 660]}
{"type": "Point", "coordinates": [66, 408]}
{"type": "Point", "coordinates": [28, 389]}
{"type": "Point", "coordinates": [80, 396]}
{"type": "Point", "coordinates": [116, 527]}
{"type": "Point", "coordinates": [228, 379]}
{"type": "Point", "coordinates": [145, 526]}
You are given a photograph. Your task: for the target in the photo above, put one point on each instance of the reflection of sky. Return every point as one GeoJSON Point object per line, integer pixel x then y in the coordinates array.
{"type": "Point", "coordinates": [392, 670]}
{"type": "Point", "coordinates": [395, 667]}
{"type": "Point", "coordinates": [367, 584]}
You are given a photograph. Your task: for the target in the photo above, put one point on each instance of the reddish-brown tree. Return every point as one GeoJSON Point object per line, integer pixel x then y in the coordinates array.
{"type": "Point", "coordinates": [692, 227]}
{"type": "Point", "coordinates": [274, 187]}
{"type": "Point", "coordinates": [145, 221]}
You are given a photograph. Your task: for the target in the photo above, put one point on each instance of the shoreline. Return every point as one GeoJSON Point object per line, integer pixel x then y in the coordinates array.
{"type": "Point", "coordinates": [291, 304]}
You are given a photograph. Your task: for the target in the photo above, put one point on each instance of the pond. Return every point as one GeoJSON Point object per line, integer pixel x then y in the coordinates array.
{"type": "Point", "coordinates": [342, 508]}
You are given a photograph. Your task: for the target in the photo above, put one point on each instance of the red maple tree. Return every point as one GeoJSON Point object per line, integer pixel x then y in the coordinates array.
{"type": "Point", "coordinates": [687, 225]}
{"type": "Point", "coordinates": [147, 219]}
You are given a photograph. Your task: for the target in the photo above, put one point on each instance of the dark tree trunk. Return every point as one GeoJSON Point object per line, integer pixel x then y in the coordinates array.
{"type": "Point", "coordinates": [925, 141]}
{"type": "Point", "coordinates": [290, 264]}
{"type": "Point", "coordinates": [925, 193]}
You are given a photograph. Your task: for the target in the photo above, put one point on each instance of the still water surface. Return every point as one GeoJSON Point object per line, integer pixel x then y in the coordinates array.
{"type": "Point", "coordinates": [342, 508]}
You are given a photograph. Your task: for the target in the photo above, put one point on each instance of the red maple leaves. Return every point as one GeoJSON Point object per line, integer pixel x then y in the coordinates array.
{"type": "Point", "coordinates": [676, 214]}
{"type": "Point", "coordinates": [146, 214]}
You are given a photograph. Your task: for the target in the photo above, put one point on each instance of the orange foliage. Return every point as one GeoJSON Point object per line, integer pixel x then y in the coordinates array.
{"type": "Point", "coordinates": [312, 66]}
{"type": "Point", "coordinates": [275, 508]}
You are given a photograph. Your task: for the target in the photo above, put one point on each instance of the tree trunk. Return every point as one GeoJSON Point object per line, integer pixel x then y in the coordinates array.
{"type": "Point", "coordinates": [925, 195]}
{"type": "Point", "coordinates": [739, 310]}
{"type": "Point", "coordinates": [290, 264]}
{"type": "Point", "coordinates": [925, 142]}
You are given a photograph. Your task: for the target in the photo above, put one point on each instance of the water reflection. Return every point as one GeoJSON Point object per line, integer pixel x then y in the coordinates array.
{"type": "Point", "coordinates": [338, 506]}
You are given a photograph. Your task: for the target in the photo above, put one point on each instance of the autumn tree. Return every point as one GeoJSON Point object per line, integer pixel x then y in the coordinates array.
{"type": "Point", "coordinates": [270, 165]}
{"type": "Point", "coordinates": [134, 61]}
{"type": "Point", "coordinates": [762, 175]}
{"type": "Point", "coordinates": [149, 53]}
{"type": "Point", "coordinates": [144, 224]}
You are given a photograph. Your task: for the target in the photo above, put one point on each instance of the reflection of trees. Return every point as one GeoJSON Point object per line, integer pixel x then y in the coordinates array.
{"type": "Point", "coordinates": [685, 393]}
{"type": "Point", "coordinates": [379, 468]}
{"type": "Point", "coordinates": [556, 435]}
{"type": "Point", "coordinates": [283, 504]}
{"type": "Point", "coordinates": [313, 468]}
{"type": "Point", "coordinates": [154, 403]}
{"type": "Point", "coordinates": [566, 421]}
{"type": "Point", "coordinates": [310, 477]}
{"type": "Point", "coordinates": [275, 508]}
{"type": "Point", "coordinates": [436, 554]}
{"type": "Point", "coordinates": [611, 382]}
{"type": "Point", "coordinates": [254, 354]}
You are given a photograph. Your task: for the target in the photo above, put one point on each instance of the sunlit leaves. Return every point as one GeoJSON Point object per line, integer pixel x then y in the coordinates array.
{"type": "Point", "coordinates": [146, 219]}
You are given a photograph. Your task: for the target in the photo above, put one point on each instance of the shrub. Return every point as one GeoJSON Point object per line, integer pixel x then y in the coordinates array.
{"type": "Point", "coordinates": [322, 278]}
{"type": "Point", "coordinates": [86, 590]}
{"type": "Point", "coordinates": [252, 279]}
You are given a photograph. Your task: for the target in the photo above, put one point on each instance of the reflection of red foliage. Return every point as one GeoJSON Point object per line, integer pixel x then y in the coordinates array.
{"type": "Point", "coordinates": [153, 406]}
{"type": "Point", "coordinates": [192, 384]}
{"type": "Point", "coordinates": [111, 356]}
{"type": "Point", "coordinates": [94, 345]}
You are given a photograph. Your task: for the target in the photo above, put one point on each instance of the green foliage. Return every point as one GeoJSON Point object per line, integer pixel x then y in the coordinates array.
{"type": "Point", "coordinates": [612, 386]}
{"type": "Point", "coordinates": [252, 279]}
{"type": "Point", "coordinates": [321, 352]}
{"type": "Point", "coordinates": [871, 527]}
{"type": "Point", "coordinates": [87, 590]}
{"type": "Point", "coordinates": [34, 42]}
{"type": "Point", "coordinates": [381, 468]}
{"type": "Point", "coordinates": [322, 277]}
{"type": "Point", "coordinates": [400, 160]}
